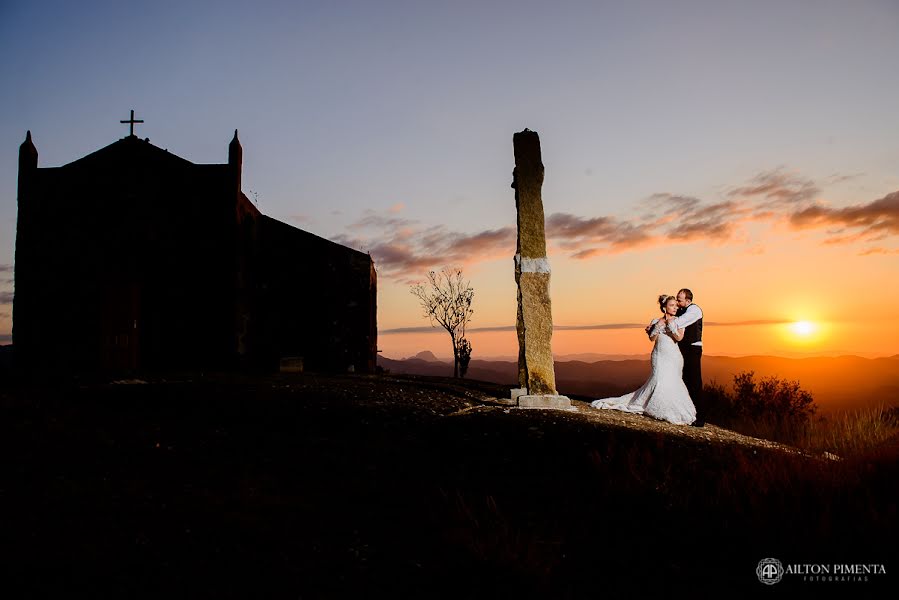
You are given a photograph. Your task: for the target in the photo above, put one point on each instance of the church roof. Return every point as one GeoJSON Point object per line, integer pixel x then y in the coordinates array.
{"type": "Point", "coordinates": [130, 148]}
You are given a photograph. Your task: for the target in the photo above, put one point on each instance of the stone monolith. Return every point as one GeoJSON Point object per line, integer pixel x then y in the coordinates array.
{"type": "Point", "coordinates": [536, 373]}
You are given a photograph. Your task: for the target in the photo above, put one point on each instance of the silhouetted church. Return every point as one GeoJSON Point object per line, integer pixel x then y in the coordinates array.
{"type": "Point", "coordinates": [132, 258]}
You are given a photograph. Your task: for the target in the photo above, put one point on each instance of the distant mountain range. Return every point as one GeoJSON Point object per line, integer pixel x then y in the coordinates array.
{"type": "Point", "coordinates": [835, 382]}
{"type": "Point", "coordinates": [427, 355]}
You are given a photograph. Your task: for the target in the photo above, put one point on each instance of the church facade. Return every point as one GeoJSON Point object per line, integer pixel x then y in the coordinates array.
{"type": "Point", "coordinates": [133, 259]}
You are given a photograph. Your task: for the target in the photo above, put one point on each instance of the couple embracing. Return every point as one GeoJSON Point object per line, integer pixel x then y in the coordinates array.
{"type": "Point", "coordinates": [673, 391]}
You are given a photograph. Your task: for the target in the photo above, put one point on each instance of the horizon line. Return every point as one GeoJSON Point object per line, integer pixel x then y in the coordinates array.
{"type": "Point", "coordinates": [557, 357]}
{"type": "Point", "coordinates": [424, 329]}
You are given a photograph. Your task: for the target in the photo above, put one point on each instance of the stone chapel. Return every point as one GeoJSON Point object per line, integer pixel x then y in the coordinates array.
{"type": "Point", "coordinates": [133, 259]}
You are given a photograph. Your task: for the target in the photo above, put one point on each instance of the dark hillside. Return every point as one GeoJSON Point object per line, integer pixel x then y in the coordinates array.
{"type": "Point", "coordinates": [327, 486]}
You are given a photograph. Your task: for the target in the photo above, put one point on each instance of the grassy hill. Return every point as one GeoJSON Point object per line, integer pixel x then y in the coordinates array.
{"type": "Point", "coordinates": [346, 486]}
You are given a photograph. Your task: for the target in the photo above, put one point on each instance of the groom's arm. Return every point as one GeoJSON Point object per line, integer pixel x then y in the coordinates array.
{"type": "Point", "coordinates": [693, 314]}
{"type": "Point", "coordinates": [676, 332]}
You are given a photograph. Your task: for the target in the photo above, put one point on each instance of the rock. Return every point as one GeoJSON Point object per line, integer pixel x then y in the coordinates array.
{"type": "Point", "coordinates": [536, 371]}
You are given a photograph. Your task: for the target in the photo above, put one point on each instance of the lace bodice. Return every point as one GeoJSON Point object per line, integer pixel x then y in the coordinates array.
{"type": "Point", "coordinates": [659, 327]}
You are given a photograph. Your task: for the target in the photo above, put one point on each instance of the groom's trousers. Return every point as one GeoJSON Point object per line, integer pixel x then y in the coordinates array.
{"type": "Point", "coordinates": [693, 378]}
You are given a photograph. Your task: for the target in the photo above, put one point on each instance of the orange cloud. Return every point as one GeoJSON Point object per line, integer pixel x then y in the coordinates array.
{"type": "Point", "coordinates": [874, 220]}
{"type": "Point", "coordinates": [404, 248]}
{"type": "Point", "coordinates": [871, 251]}
{"type": "Point", "coordinates": [573, 232]}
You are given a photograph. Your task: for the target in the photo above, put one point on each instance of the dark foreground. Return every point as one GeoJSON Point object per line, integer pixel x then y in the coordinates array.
{"type": "Point", "coordinates": [311, 486]}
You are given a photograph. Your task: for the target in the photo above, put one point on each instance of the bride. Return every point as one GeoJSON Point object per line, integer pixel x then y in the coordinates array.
{"type": "Point", "coordinates": [664, 396]}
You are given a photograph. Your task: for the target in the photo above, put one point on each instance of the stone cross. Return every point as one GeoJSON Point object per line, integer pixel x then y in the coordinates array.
{"type": "Point", "coordinates": [536, 372]}
{"type": "Point", "coordinates": [132, 122]}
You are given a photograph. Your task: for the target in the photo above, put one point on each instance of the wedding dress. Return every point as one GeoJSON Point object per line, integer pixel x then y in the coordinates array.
{"type": "Point", "coordinates": [664, 396]}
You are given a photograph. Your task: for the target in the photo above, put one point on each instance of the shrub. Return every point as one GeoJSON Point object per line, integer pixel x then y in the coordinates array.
{"type": "Point", "coordinates": [771, 408]}
{"type": "Point", "coordinates": [782, 411]}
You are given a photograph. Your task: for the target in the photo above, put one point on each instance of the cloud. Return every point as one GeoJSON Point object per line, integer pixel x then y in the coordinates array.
{"type": "Point", "coordinates": [688, 218]}
{"type": "Point", "coordinates": [6, 297]}
{"type": "Point", "coordinates": [777, 189]}
{"type": "Point", "coordinates": [405, 248]}
{"type": "Point", "coordinates": [666, 218]}
{"type": "Point", "coordinates": [489, 243]}
{"type": "Point", "coordinates": [878, 250]}
{"type": "Point", "coordinates": [835, 178]}
{"type": "Point", "coordinates": [698, 231]}
{"type": "Point", "coordinates": [572, 231]}
{"type": "Point", "coordinates": [371, 219]}
{"type": "Point", "coordinates": [403, 330]}
{"type": "Point", "coordinates": [398, 207]}
{"type": "Point", "coordinates": [744, 323]}
{"type": "Point", "coordinates": [6, 268]}
{"type": "Point", "coordinates": [774, 196]}
{"type": "Point", "coordinates": [876, 219]}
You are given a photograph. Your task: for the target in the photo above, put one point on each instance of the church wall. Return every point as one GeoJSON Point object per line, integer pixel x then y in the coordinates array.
{"type": "Point", "coordinates": [318, 299]}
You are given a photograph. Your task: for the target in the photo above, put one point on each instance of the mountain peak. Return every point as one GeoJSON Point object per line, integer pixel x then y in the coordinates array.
{"type": "Point", "coordinates": [426, 355]}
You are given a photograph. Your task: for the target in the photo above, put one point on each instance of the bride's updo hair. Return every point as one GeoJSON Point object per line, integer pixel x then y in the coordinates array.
{"type": "Point", "coordinates": [663, 300]}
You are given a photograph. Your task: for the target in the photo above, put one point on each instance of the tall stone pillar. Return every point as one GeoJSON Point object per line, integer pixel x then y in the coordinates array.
{"type": "Point", "coordinates": [536, 372]}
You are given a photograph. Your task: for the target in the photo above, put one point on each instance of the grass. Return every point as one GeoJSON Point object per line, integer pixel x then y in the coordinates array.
{"type": "Point", "coordinates": [851, 433]}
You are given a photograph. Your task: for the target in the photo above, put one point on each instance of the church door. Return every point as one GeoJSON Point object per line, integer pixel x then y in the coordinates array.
{"type": "Point", "coordinates": [121, 327]}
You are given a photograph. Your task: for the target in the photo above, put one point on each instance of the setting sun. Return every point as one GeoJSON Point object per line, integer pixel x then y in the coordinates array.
{"type": "Point", "coordinates": [806, 333]}
{"type": "Point", "coordinates": [803, 328]}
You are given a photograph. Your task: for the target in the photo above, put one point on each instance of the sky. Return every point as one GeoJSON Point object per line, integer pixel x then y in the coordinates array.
{"type": "Point", "coordinates": [748, 151]}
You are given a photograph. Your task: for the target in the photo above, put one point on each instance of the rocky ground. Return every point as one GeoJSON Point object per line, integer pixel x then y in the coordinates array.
{"type": "Point", "coordinates": [310, 485]}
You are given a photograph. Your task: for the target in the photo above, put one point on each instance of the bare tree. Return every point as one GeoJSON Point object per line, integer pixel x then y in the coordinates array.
{"type": "Point", "coordinates": [446, 299]}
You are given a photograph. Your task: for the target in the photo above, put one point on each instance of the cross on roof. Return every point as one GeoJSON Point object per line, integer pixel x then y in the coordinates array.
{"type": "Point", "coordinates": [132, 121]}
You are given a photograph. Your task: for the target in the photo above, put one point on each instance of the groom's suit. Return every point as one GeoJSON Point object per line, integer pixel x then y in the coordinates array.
{"type": "Point", "coordinates": [690, 319]}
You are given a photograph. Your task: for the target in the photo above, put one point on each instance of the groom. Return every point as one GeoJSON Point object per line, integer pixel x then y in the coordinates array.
{"type": "Point", "coordinates": [689, 318]}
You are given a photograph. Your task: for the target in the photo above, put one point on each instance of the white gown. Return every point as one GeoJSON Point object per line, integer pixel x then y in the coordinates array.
{"type": "Point", "coordinates": [664, 396]}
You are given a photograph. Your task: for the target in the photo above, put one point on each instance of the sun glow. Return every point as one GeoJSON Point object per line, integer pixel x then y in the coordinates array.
{"type": "Point", "coordinates": [803, 328]}
{"type": "Point", "coordinates": [805, 333]}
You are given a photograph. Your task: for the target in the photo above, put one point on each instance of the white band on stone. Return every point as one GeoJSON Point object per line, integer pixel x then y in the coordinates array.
{"type": "Point", "coordinates": [532, 265]}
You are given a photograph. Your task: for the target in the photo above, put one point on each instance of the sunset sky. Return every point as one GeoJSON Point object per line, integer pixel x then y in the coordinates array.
{"type": "Point", "coordinates": [746, 150]}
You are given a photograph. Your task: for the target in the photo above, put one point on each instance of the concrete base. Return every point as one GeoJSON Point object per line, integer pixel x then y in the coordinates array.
{"type": "Point", "coordinates": [291, 364]}
{"type": "Point", "coordinates": [545, 401]}
{"type": "Point", "coordinates": [516, 392]}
